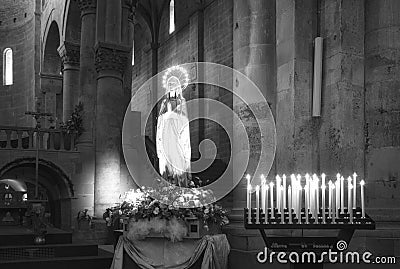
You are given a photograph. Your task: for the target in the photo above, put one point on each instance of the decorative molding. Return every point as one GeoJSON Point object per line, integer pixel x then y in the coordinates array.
{"type": "Point", "coordinates": [86, 5]}
{"type": "Point", "coordinates": [111, 57]}
{"type": "Point", "coordinates": [21, 162]}
{"type": "Point", "coordinates": [69, 53]}
{"type": "Point", "coordinates": [131, 5]}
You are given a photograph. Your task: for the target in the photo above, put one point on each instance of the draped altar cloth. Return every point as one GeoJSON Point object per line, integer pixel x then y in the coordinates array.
{"type": "Point", "coordinates": [160, 253]}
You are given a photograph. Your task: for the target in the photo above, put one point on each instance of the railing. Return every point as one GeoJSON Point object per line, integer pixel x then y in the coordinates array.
{"type": "Point", "coordinates": [26, 138]}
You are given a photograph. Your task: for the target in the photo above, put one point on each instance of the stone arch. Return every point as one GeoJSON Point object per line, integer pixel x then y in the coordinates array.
{"type": "Point", "coordinates": [51, 58]}
{"type": "Point", "coordinates": [51, 73]}
{"type": "Point", "coordinates": [72, 22]}
{"type": "Point", "coordinates": [52, 178]}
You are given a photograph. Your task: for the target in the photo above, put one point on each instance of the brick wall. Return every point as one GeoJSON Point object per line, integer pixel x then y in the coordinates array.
{"type": "Point", "coordinates": [17, 32]}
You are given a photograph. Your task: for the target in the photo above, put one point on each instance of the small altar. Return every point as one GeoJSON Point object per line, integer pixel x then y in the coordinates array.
{"type": "Point", "coordinates": [209, 252]}
{"type": "Point", "coordinates": [12, 214]}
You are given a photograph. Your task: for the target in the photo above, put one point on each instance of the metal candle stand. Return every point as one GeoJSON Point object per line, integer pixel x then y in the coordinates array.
{"type": "Point", "coordinates": [307, 243]}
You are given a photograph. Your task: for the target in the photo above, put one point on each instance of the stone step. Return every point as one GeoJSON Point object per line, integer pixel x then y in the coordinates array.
{"type": "Point", "coordinates": [60, 237]}
{"type": "Point", "coordinates": [101, 261]}
{"type": "Point", "coordinates": [47, 251]}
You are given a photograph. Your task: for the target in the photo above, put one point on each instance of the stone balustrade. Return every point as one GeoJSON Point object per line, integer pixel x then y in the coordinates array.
{"type": "Point", "coordinates": [25, 138]}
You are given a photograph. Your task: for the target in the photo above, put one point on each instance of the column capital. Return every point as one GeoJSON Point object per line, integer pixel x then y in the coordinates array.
{"type": "Point", "coordinates": [131, 6]}
{"type": "Point", "coordinates": [69, 52]}
{"type": "Point", "coordinates": [111, 57]}
{"type": "Point", "coordinates": [87, 6]}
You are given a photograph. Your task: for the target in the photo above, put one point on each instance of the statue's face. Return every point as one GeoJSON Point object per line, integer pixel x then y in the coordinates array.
{"type": "Point", "coordinates": [174, 87]}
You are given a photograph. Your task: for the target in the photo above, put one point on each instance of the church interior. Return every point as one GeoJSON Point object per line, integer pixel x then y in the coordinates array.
{"type": "Point", "coordinates": [314, 85]}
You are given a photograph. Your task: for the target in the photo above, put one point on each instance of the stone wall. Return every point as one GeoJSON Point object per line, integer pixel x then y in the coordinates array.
{"type": "Point", "coordinates": [17, 31]}
{"type": "Point", "coordinates": [183, 46]}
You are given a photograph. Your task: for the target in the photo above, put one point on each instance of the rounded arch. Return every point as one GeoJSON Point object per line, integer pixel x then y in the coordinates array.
{"type": "Point", "coordinates": [46, 169]}
{"type": "Point", "coordinates": [51, 58]}
{"type": "Point", "coordinates": [54, 185]}
{"type": "Point", "coordinates": [49, 21]}
{"type": "Point", "coordinates": [72, 22]}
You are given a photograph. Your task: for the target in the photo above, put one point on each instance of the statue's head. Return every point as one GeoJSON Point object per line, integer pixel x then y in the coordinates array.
{"type": "Point", "coordinates": [175, 79]}
{"type": "Point", "coordinates": [174, 87]}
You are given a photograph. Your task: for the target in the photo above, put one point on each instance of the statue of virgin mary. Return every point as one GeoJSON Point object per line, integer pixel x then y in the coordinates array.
{"type": "Point", "coordinates": [173, 134]}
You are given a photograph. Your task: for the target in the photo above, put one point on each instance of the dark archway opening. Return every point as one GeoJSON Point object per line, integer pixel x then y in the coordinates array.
{"type": "Point", "coordinates": [52, 187]}
{"type": "Point", "coordinates": [51, 74]}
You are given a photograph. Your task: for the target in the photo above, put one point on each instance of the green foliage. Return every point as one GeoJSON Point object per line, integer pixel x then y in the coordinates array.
{"type": "Point", "coordinates": [75, 123]}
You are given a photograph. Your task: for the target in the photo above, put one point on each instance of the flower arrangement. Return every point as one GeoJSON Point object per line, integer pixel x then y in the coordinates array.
{"type": "Point", "coordinates": [147, 213]}
{"type": "Point", "coordinates": [74, 125]}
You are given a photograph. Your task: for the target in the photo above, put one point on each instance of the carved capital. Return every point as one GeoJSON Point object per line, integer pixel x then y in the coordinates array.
{"type": "Point", "coordinates": [131, 5]}
{"type": "Point", "coordinates": [69, 52]}
{"type": "Point", "coordinates": [111, 57]}
{"type": "Point", "coordinates": [87, 5]}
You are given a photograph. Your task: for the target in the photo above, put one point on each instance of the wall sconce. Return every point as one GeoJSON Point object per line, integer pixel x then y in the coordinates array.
{"type": "Point", "coordinates": [317, 77]}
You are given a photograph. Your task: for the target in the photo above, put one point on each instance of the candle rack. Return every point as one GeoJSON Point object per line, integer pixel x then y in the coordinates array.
{"type": "Point", "coordinates": [304, 243]}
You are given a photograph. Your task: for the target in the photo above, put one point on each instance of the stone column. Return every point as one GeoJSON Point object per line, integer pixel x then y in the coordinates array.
{"type": "Point", "coordinates": [87, 95]}
{"type": "Point", "coordinates": [294, 46]}
{"type": "Point", "coordinates": [87, 79]}
{"type": "Point", "coordinates": [382, 109]}
{"type": "Point", "coordinates": [69, 53]}
{"type": "Point", "coordinates": [128, 21]}
{"type": "Point", "coordinates": [341, 126]}
{"type": "Point", "coordinates": [110, 64]}
{"type": "Point", "coordinates": [253, 55]}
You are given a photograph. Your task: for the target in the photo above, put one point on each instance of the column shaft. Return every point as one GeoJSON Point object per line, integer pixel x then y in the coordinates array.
{"type": "Point", "coordinates": [69, 53]}
{"type": "Point", "coordinates": [110, 64]}
{"type": "Point", "coordinates": [70, 89]}
{"type": "Point", "coordinates": [253, 55]}
{"type": "Point", "coordinates": [87, 79]}
{"type": "Point", "coordinates": [87, 94]}
{"type": "Point", "coordinates": [382, 107]}
{"type": "Point", "coordinates": [294, 39]}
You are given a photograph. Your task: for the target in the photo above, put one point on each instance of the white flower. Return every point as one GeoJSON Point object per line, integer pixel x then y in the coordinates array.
{"type": "Point", "coordinates": [156, 211]}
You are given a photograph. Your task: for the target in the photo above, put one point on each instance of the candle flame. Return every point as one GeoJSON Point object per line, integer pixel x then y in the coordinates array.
{"type": "Point", "coordinates": [323, 175]}
{"type": "Point", "coordinates": [362, 182]}
{"type": "Point", "coordinates": [349, 179]}
{"type": "Point", "coordinates": [354, 175]}
{"type": "Point", "coordinates": [271, 184]}
{"type": "Point", "coordinates": [248, 177]}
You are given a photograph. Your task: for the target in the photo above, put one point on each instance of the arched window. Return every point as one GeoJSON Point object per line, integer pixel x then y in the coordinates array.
{"type": "Point", "coordinates": [7, 67]}
{"type": "Point", "coordinates": [171, 16]}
